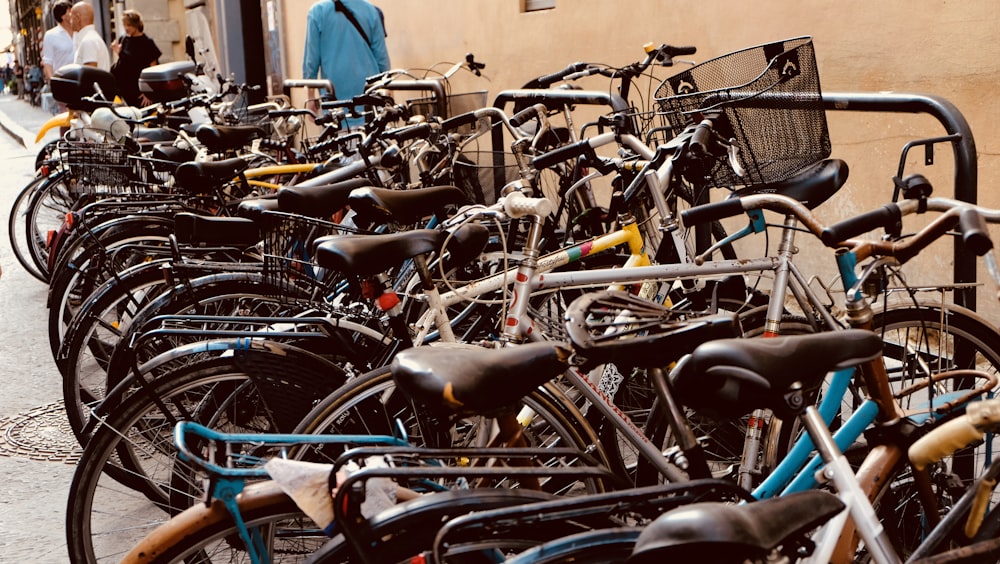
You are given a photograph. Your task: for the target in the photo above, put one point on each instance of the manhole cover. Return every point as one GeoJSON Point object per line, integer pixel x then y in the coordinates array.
{"type": "Point", "coordinates": [42, 433]}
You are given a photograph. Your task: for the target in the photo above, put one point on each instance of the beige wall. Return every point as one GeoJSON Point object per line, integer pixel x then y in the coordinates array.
{"type": "Point", "coordinates": [164, 23]}
{"type": "Point", "coordinates": [940, 47]}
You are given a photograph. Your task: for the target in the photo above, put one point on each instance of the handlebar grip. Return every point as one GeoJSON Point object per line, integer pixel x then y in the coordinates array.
{"type": "Point", "coordinates": [698, 143]}
{"type": "Point", "coordinates": [975, 233]}
{"type": "Point", "coordinates": [410, 132]}
{"type": "Point", "coordinates": [287, 113]}
{"type": "Point", "coordinates": [522, 117]}
{"type": "Point", "coordinates": [943, 441]}
{"type": "Point", "coordinates": [467, 118]}
{"type": "Point", "coordinates": [564, 153]}
{"type": "Point", "coordinates": [711, 212]}
{"type": "Point", "coordinates": [685, 50]}
{"type": "Point", "coordinates": [547, 80]}
{"type": "Point", "coordinates": [886, 216]}
{"type": "Point", "coordinates": [517, 205]}
{"type": "Point", "coordinates": [329, 118]}
{"type": "Point", "coordinates": [336, 104]}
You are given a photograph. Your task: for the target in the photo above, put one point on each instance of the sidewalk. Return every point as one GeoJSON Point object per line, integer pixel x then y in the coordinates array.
{"type": "Point", "coordinates": [21, 121]}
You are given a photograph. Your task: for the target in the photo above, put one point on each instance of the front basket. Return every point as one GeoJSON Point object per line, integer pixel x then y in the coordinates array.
{"type": "Point", "coordinates": [770, 104]}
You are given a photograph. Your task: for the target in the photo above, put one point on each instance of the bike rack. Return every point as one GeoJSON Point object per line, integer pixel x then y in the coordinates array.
{"type": "Point", "coordinates": [954, 123]}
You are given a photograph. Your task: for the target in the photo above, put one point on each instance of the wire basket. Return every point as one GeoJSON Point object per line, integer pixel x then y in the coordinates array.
{"type": "Point", "coordinates": [770, 103]}
{"type": "Point", "coordinates": [455, 104]}
{"type": "Point", "coordinates": [97, 163]}
{"type": "Point", "coordinates": [483, 174]}
{"type": "Point", "coordinates": [286, 249]}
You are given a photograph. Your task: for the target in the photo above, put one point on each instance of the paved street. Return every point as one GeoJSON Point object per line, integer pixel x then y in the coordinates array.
{"type": "Point", "coordinates": [35, 453]}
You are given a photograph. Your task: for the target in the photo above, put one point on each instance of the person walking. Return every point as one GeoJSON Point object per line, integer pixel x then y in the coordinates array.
{"type": "Point", "coordinates": [57, 44]}
{"type": "Point", "coordinates": [88, 46]}
{"type": "Point", "coordinates": [34, 78]}
{"type": "Point", "coordinates": [345, 43]}
{"type": "Point", "coordinates": [19, 80]}
{"type": "Point", "coordinates": [135, 51]}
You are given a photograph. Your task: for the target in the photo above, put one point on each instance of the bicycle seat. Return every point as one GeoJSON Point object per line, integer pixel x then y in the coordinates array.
{"type": "Point", "coordinates": [362, 255]}
{"type": "Point", "coordinates": [812, 186]}
{"type": "Point", "coordinates": [204, 177]}
{"type": "Point", "coordinates": [193, 229]}
{"type": "Point", "coordinates": [154, 135]}
{"type": "Point", "coordinates": [721, 533]}
{"type": "Point", "coordinates": [222, 138]}
{"type": "Point", "coordinates": [471, 380]}
{"type": "Point", "coordinates": [256, 208]}
{"type": "Point", "coordinates": [382, 205]}
{"type": "Point", "coordinates": [166, 158]}
{"type": "Point", "coordinates": [318, 201]}
{"type": "Point", "coordinates": [732, 377]}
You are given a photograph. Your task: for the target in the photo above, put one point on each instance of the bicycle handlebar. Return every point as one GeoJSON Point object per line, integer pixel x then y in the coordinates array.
{"type": "Point", "coordinates": [712, 212]}
{"type": "Point", "coordinates": [517, 205]}
{"type": "Point", "coordinates": [944, 440]}
{"type": "Point", "coordinates": [547, 80]}
{"type": "Point", "coordinates": [886, 216]}
{"type": "Point", "coordinates": [975, 234]}
{"type": "Point", "coordinates": [564, 153]}
{"type": "Point", "coordinates": [902, 250]}
{"type": "Point", "coordinates": [452, 123]}
{"type": "Point", "coordinates": [420, 130]}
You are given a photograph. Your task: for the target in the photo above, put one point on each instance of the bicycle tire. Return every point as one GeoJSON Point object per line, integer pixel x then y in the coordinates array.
{"type": "Point", "coordinates": [408, 529]}
{"type": "Point", "coordinates": [45, 213]}
{"type": "Point", "coordinates": [97, 232]}
{"type": "Point", "coordinates": [220, 294]}
{"type": "Point", "coordinates": [17, 222]}
{"type": "Point", "coordinates": [602, 546]}
{"type": "Point", "coordinates": [370, 404]}
{"type": "Point", "coordinates": [72, 284]}
{"type": "Point", "coordinates": [203, 534]}
{"type": "Point", "coordinates": [94, 332]}
{"type": "Point", "coordinates": [129, 478]}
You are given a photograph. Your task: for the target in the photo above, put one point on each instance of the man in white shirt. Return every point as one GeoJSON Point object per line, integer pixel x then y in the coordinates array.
{"type": "Point", "coordinates": [90, 48]}
{"type": "Point", "coordinates": [57, 46]}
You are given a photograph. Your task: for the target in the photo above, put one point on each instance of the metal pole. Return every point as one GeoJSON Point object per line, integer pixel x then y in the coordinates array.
{"type": "Point", "coordinates": [966, 163]}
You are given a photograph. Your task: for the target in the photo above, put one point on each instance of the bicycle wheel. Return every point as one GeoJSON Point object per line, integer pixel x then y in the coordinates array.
{"type": "Point", "coordinates": [46, 212]}
{"type": "Point", "coordinates": [129, 479]}
{"type": "Point", "coordinates": [85, 383]}
{"type": "Point", "coordinates": [407, 530]}
{"type": "Point", "coordinates": [603, 546]}
{"type": "Point", "coordinates": [87, 270]}
{"type": "Point", "coordinates": [107, 311]}
{"type": "Point", "coordinates": [204, 535]}
{"type": "Point", "coordinates": [370, 404]}
{"type": "Point", "coordinates": [921, 341]}
{"type": "Point", "coordinates": [21, 238]}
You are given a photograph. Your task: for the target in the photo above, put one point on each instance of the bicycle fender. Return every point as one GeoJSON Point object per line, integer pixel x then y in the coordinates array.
{"type": "Point", "coordinates": [58, 120]}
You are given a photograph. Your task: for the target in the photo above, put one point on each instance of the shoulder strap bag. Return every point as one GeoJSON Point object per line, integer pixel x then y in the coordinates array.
{"type": "Point", "coordinates": [350, 16]}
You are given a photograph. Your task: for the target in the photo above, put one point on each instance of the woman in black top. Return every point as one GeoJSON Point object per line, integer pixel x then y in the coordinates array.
{"type": "Point", "coordinates": [135, 52]}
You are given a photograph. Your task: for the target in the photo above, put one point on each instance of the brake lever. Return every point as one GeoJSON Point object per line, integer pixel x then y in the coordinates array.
{"type": "Point", "coordinates": [733, 153]}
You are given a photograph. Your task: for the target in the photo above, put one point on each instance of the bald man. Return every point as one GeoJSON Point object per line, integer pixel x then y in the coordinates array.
{"type": "Point", "coordinates": [88, 45]}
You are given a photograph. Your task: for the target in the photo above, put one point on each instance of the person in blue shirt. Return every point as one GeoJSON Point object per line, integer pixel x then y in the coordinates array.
{"type": "Point", "coordinates": [345, 43]}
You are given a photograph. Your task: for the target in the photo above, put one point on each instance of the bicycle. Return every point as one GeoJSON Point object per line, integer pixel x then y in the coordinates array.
{"type": "Point", "coordinates": [657, 455]}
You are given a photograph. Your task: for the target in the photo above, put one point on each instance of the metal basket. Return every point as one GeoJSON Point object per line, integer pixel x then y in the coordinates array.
{"type": "Point", "coordinates": [286, 252]}
{"type": "Point", "coordinates": [97, 163]}
{"type": "Point", "coordinates": [483, 174]}
{"type": "Point", "coordinates": [770, 100]}
{"type": "Point", "coordinates": [455, 104]}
